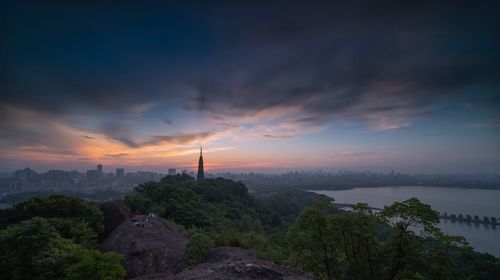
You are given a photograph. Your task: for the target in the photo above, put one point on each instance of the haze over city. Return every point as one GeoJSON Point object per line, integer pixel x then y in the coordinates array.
{"type": "Point", "coordinates": [293, 140]}
{"type": "Point", "coordinates": [269, 87]}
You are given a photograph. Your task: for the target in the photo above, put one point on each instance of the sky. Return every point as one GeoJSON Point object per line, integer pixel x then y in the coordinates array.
{"type": "Point", "coordinates": [265, 86]}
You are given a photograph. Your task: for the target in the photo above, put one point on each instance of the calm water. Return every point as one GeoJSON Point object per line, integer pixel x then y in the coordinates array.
{"type": "Point", "coordinates": [453, 201]}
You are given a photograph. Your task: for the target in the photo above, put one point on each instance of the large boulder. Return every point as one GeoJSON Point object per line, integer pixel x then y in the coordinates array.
{"type": "Point", "coordinates": [233, 263]}
{"type": "Point", "coordinates": [149, 245]}
{"type": "Point", "coordinates": [114, 214]}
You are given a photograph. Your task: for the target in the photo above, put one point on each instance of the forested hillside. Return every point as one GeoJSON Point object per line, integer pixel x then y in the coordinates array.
{"type": "Point", "coordinates": [305, 230]}
{"type": "Point", "coordinates": [57, 237]}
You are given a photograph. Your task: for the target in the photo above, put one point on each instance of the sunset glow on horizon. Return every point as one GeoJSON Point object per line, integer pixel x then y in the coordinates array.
{"type": "Point", "coordinates": [267, 90]}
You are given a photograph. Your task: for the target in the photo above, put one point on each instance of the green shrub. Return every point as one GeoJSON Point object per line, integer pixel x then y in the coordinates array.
{"type": "Point", "coordinates": [198, 246]}
{"type": "Point", "coordinates": [94, 265]}
{"type": "Point", "coordinates": [33, 249]}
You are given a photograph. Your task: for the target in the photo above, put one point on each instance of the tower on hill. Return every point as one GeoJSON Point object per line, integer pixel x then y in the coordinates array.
{"type": "Point", "coordinates": [201, 173]}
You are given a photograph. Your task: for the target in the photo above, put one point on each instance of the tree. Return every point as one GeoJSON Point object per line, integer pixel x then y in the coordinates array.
{"type": "Point", "coordinates": [138, 203]}
{"type": "Point", "coordinates": [199, 244]}
{"type": "Point", "coordinates": [361, 249]}
{"type": "Point", "coordinates": [335, 244]}
{"type": "Point", "coordinates": [55, 206]}
{"type": "Point", "coordinates": [438, 262]}
{"type": "Point", "coordinates": [230, 237]}
{"type": "Point", "coordinates": [93, 265]}
{"type": "Point", "coordinates": [173, 198]}
{"type": "Point", "coordinates": [254, 241]}
{"type": "Point", "coordinates": [404, 248]}
{"type": "Point", "coordinates": [77, 231]}
{"type": "Point", "coordinates": [33, 249]}
{"type": "Point", "coordinates": [314, 240]}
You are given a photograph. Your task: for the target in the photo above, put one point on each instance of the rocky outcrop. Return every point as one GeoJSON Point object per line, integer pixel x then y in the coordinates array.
{"type": "Point", "coordinates": [153, 249]}
{"type": "Point", "coordinates": [149, 245]}
{"type": "Point", "coordinates": [114, 214]}
{"type": "Point", "coordinates": [233, 263]}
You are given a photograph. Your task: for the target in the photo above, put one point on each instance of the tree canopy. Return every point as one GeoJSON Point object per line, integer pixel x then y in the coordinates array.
{"type": "Point", "coordinates": [33, 249]}
{"type": "Point", "coordinates": [55, 237]}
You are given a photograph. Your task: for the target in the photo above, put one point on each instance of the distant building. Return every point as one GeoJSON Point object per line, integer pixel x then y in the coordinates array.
{"type": "Point", "coordinates": [26, 174]}
{"type": "Point", "coordinates": [56, 175]}
{"type": "Point", "coordinates": [184, 172]}
{"type": "Point", "coordinates": [171, 171]}
{"type": "Point", "coordinates": [120, 172]}
{"type": "Point", "coordinates": [99, 170]}
{"type": "Point", "coordinates": [92, 174]}
{"type": "Point", "coordinates": [201, 173]}
{"type": "Point", "coordinates": [8, 185]}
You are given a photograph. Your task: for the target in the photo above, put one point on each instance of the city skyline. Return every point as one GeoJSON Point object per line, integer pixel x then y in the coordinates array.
{"type": "Point", "coordinates": [409, 87]}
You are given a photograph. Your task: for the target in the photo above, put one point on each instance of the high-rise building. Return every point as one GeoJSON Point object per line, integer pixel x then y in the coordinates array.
{"type": "Point", "coordinates": [99, 170]}
{"type": "Point", "coordinates": [25, 175]}
{"type": "Point", "coordinates": [92, 174]}
{"type": "Point", "coordinates": [201, 173]}
{"type": "Point", "coordinates": [172, 171]}
{"type": "Point", "coordinates": [120, 172]}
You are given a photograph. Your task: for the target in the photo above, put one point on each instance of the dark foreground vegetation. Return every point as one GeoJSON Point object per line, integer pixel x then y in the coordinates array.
{"type": "Point", "coordinates": [56, 237]}
{"type": "Point", "coordinates": [100, 195]}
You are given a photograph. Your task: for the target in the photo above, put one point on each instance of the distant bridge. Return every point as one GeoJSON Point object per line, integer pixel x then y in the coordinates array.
{"type": "Point", "coordinates": [469, 219]}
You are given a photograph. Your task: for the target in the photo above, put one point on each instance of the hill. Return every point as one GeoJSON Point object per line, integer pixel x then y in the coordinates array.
{"type": "Point", "coordinates": [192, 224]}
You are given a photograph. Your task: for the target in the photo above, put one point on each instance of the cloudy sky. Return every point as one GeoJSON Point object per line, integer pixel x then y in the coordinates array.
{"type": "Point", "coordinates": [363, 85]}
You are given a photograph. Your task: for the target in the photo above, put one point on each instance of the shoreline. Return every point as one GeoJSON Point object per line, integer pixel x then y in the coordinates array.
{"type": "Point", "coordinates": [341, 188]}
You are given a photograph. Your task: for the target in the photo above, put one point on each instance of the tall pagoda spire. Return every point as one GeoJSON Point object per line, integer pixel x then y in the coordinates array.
{"type": "Point", "coordinates": [201, 173]}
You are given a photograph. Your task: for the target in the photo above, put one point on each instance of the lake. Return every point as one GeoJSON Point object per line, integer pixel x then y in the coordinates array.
{"type": "Point", "coordinates": [451, 200]}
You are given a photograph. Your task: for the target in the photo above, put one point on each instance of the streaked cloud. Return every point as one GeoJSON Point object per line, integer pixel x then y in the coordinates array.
{"type": "Point", "coordinates": [236, 74]}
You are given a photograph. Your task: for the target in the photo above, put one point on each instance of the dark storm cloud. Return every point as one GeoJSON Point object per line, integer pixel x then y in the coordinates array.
{"type": "Point", "coordinates": [50, 150]}
{"type": "Point", "coordinates": [178, 139]}
{"type": "Point", "coordinates": [28, 131]}
{"type": "Point", "coordinates": [168, 122]}
{"type": "Point", "coordinates": [119, 132]}
{"type": "Point", "coordinates": [358, 61]}
{"type": "Point", "coordinates": [306, 122]}
{"type": "Point", "coordinates": [351, 66]}
{"type": "Point", "coordinates": [63, 58]}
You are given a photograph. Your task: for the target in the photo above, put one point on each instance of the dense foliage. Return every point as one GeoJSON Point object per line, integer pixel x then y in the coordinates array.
{"type": "Point", "coordinates": [97, 195]}
{"type": "Point", "coordinates": [349, 246]}
{"type": "Point", "coordinates": [306, 231]}
{"type": "Point", "coordinates": [216, 204]}
{"type": "Point", "coordinates": [54, 238]}
{"type": "Point", "coordinates": [56, 206]}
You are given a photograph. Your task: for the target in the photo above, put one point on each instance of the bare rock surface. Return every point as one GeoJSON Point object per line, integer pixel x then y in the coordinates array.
{"type": "Point", "coordinates": [114, 214]}
{"type": "Point", "coordinates": [233, 263]}
{"type": "Point", "coordinates": [149, 245]}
